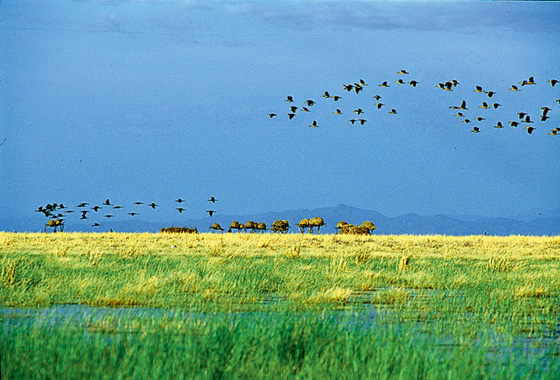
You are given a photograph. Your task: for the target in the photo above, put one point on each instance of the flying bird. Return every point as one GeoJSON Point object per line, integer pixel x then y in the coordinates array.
{"type": "Point", "coordinates": [499, 125]}
{"type": "Point", "coordinates": [393, 111]}
{"type": "Point", "coordinates": [271, 115]}
{"type": "Point", "coordinates": [326, 95]}
{"type": "Point", "coordinates": [530, 129]}
{"type": "Point", "coordinates": [400, 81]}
{"type": "Point", "coordinates": [552, 82]}
{"type": "Point", "coordinates": [359, 111]}
{"type": "Point", "coordinates": [490, 93]}
{"type": "Point", "coordinates": [403, 72]}
{"type": "Point", "coordinates": [107, 202]}
{"type": "Point", "coordinates": [514, 88]}
{"type": "Point", "coordinates": [413, 83]}
{"type": "Point", "coordinates": [338, 112]}
{"type": "Point", "coordinates": [96, 208]}
{"type": "Point", "coordinates": [132, 213]}
{"type": "Point", "coordinates": [362, 121]}
{"type": "Point", "coordinates": [180, 200]}
{"type": "Point", "coordinates": [478, 89]}
{"type": "Point", "coordinates": [376, 97]}
{"type": "Point", "coordinates": [294, 109]}
{"type": "Point", "coordinates": [384, 84]}
{"type": "Point", "coordinates": [180, 209]}
{"type": "Point", "coordinates": [514, 123]}
{"type": "Point", "coordinates": [289, 99]}
{"type": "Point", "coordinates": [291, 115]}
{"type": "Point", "coordinates": [479, 118]}
{"type": "Point", "coordinates": [213, 200]}
{"type": "Point", "coordinates": [152, 205]}
{"type": "Point", "coordinates": [109, 216]}
{"type": "Point", "coordinates": [138, 203]}
{"type": "Point", "coordinates": [475, 130]}
{"type": "Point", "coordinates": [210, 212]}
{"type": "Point", "coordinates": [314, 124]}
{"type": "Point", "coordinates": [309, 102]}
{"type": "Point", "coordinates": [336, 98]}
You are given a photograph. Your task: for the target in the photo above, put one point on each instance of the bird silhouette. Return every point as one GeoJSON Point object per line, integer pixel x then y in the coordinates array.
{"type": "Point", "coordinates": [478, 89]}
{"type": "Point", "coordinates": [393, 111]}
{"type": "Point", "coordinates": [180, 209]}
{"type": "Point", "coordinates": [289, 99]}
{"type": "Point", "coordinates": [336, 98]}
{"type": "Point", "coordinates": [107, 202]}
{"type": "Point", "coordinates": [132, 213]}
{"type": "Point", "coordinates": [96, 208]}
{"type": "Point", "coordinates": [326, 95]}
{"type": "Point", "coordinates": [179, 200]}
{"type": "Point", "coordinates": [309, 102]}
{"type": "Point", "coordinates": [294, 109]}
{"type": "Point", "coordinates": [359, 111]}
{"type": "Point", "coordinates": [376, 97]}
{"type": "Point", "coordinates": [153, 205]}
{"type": "Point", "coordinates": [210, 212]}
{"type": "Point", "coordinates": [530, 129]}
{"type": "Point", "coordinates": [271, 115]}
{"type": "Point", "coordinates": [475, 130]}
{"type": "Point", "coordinates": [314, 124]}
{"type": "Point", "coordinates": [403, 72]}
{"type": "Point", "coordinates": [291, 115]}
{"type": "Point", "coordinates": [384, 84]}
{"type": "Point", "coordinates": [553, 82]}
{"type": "Point", "coordinates": [338, 112]}
{"type": "Point", "coordinates": [352, 121]}
{"type": "Point", "coordinates": [400, 81]}
{"type": "Point", "coordinates": [490, 93]}
{"type": "Point", "coordinates": [138, 203]}
{"type": "Point", "coordinates": [545, 110]}
{"type": "Point", "coordinates": [109, 216]}
{"type": "Point", "coordinates": [413, 83]}
{"type": "Point", "coordinates": [499, 125]}
{"type": "Point", "coordinates": [514, 123]}
{"type": "Point", "coordinates": [514, 88]}
{"type": "Point", "coordinates": [362, 121]}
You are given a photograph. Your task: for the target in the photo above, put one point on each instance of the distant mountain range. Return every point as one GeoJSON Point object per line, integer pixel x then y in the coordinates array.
{"type": "Point", "coordinates": [534, 222]}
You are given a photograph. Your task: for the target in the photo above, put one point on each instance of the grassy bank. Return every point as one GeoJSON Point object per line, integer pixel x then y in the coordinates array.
{"type": "Point", "coordinates": [282, 306]}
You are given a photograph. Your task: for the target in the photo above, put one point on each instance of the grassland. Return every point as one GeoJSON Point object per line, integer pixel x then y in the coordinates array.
{"type": "Point", "coordinates": [282, 306]}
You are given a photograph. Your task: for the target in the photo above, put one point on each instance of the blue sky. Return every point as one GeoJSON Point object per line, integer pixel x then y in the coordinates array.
{"type": "Point", "coordinates": [156, 100]}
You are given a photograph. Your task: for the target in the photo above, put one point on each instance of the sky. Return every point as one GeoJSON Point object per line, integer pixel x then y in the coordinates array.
{"type": "Point", "coordinates": [147, 100]}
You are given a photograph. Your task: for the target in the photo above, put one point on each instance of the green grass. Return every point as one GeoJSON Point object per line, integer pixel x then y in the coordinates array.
{"type": "Point", "coordinates": [269, 306]}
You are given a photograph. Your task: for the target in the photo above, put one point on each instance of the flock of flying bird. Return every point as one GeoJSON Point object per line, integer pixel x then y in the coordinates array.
{"type": "Point", "coordinates": [522, 117]}
{"type": "Point", "coordinates": [58, 211]}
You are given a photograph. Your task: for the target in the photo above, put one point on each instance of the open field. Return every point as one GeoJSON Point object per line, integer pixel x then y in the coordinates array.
{"type": "Point", "coordinates": [279, 306]}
